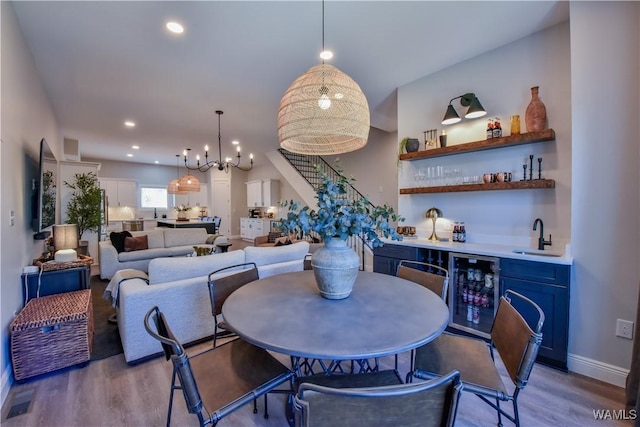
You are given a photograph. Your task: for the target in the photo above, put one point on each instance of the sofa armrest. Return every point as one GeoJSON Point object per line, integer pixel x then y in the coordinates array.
{"type": "Point", "coordinates": [108, 256]}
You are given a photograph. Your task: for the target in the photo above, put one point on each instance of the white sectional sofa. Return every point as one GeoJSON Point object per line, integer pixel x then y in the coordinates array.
{"type": "Point", "coordinates": [179, 287]}
{"type": "Point", "coordinates": [162, 242]}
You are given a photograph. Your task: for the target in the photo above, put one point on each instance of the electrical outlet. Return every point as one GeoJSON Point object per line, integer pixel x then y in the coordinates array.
{"type": "Point", "coordinates": [624, 329]}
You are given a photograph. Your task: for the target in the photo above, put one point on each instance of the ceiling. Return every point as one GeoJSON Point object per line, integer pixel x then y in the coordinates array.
{"type": "Point", "coordinates": [106, 62]}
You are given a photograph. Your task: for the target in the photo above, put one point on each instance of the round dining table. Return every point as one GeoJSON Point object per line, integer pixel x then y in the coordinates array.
{"type": "Point", "coordinates": [384, 315]}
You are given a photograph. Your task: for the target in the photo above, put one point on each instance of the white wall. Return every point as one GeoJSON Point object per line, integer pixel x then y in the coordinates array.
{"type": "Point", "coordinates": [501, 79]}
{"type": "Point", "coordinates": [27, 117]}
{"type": "Point", "coordinates": [605, 88]}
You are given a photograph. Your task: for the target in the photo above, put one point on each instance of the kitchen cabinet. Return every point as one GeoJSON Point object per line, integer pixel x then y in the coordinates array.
{"type": "Point", "coordinates": [250, 228]}
{"type": "Point", "coordinates": [548, 286]}
{"type": "Point", "coordinates": [120, 193]}
{"type": "Point", "coordinates": [263, 193]}
{"type": "Point", "coordinates": [487, 144]}
{"type": "Point", "coordinates": [386, 258]}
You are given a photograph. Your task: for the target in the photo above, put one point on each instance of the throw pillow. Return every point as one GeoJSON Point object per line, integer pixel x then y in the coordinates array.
{"type": "Point", "coordinates": [136, 243]}
{"type": "Point", "coordinates": [273, 235]}
{"type": "Point", "coordinates": [117, 240]}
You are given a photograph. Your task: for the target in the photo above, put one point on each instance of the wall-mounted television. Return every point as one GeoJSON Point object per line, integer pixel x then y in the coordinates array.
{"type": "Point", "coordinates": [45, 193]}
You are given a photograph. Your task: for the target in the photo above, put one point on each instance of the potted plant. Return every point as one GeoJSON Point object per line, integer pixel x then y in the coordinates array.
{"type": "Point", "coordinates": [182, 212]}
{"type": "Point", "coordinates": [337, 218]}
{"type": "Point", "coordinates": [84, 207]}
{"type": "Point", "coordinates": [408, 145]}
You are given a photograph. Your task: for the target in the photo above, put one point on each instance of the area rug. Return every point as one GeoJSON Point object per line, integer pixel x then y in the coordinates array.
{"type": "Point", "coordinates": [106, 338]}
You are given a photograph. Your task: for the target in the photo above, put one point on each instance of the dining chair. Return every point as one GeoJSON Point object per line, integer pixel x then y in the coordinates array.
{"type": "Point", "coordinates": [516, 342]}
{"type": "Point", "coordinates": [376, 399]}
{"type": "Point", "coordinates": [437, 282]}
{"type": "Point", "coordinates": [222, 286]}
{"type": "Point", "coordinates": [220, 380]}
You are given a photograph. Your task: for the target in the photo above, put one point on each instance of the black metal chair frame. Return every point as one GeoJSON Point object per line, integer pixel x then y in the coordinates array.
{"type": "Point", "coordinates": [218, 301]}
{"type": "Point", "coordinates": [183, 377]}
{"type": "Point", "coordinates": [303, 407]}
{"type": "Point", "coordinates": [521, 375]}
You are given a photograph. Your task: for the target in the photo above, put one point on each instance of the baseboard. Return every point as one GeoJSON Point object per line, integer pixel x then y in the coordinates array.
{"type": "Point", "coordinates": [598, 370]}
{"type": "Point", "coordinates": [7, 380]}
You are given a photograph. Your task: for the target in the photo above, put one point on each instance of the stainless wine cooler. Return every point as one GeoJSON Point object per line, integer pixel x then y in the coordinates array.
{"type": "Point", "coordinates": [473, 292]}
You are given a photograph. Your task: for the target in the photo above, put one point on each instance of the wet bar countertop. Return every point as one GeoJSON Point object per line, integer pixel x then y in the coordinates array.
{"type": "Point", "coordinates": [487, 249]}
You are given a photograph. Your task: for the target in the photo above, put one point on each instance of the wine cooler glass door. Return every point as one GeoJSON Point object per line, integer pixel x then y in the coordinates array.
{"type": "Point", "coordinates": [474, 292]}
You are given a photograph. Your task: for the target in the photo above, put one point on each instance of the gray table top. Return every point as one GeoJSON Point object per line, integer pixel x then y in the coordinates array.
{"type": "Point", "coordinates": [384, 315]}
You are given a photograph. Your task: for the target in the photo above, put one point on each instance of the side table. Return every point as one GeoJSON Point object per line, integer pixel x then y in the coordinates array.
{"type": "Point", "coordinates": [52, 282]}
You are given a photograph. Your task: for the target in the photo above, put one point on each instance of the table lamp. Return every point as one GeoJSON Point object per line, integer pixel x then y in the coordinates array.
{"type": "Point", "coordinates": [434, 214]}
{"type": "Point", "coordinates": [65, 241]}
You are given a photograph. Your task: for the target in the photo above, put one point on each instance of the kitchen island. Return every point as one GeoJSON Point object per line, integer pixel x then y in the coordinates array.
{"type": "Point", "coordinates": [192, 223]}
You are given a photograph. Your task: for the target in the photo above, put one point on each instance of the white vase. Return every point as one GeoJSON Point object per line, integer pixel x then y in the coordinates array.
{"type": "Point", "coordinates": [335, 266]}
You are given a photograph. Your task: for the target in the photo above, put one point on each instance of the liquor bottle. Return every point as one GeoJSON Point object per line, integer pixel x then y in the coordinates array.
{"type": "Point", "coordinates": [456, 230]}
{"type": "Point", "coordinates": [497, 128]}
{"type": "Point", "coordinates": [489, 128]}
{"type": "Point", "coordinates": [462, 233]}
{"type": "Point", "coordinates": [464, 294]}
{"type": "Point", "coordinates": [476, 315]}
{"type": "Point", "coordinates": [469, 313]}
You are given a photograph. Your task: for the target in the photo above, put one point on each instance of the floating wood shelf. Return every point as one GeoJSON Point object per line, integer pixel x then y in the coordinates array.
{"type": "Point", "coordinates": [487, 144]}
{"type": "Point", "coordinates": [513, 185]}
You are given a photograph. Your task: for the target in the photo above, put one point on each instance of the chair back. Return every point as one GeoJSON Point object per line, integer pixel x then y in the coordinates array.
{"type": "Point", "coordinates": [436, 283]}
{"type": "Point", "coordinates": [514, 339]}
{"type": "Point", "coordinates": [428, 403]}
{"type": "Point", "coordinates": [175, 351]}
{"type": "Point", "coordinates": [216, 222]}
{"type": "Point", "coordinates": [220, 288]}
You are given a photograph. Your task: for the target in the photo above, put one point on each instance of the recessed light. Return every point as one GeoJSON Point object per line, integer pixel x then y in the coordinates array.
{"type": "Point", "coordinates": [135, 147]}
{"type": "Point", "coordinates": [129, 124]}
{"type": "Point", "coordinates": [129, 155]}
{"type": "Point", "coordinates": [235, 142]}
{"type": "Point", "coordinates": [156, 162]}
{"type": "Point", "coordinates": [174, 27]}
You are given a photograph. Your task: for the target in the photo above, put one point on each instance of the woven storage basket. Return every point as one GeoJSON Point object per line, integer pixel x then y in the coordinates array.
{"type": "Point", "coordinates": [51, 333]}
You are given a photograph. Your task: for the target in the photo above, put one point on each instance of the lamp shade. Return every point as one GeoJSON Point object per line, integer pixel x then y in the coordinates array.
{"type": "Point", "coordinates": [189, 182]}
{"type": "Point", "coordinates": [450, 116]}
{"type": "Point", "coordinates": [174, 188]}
{"type": "Point", "coordinates": [323, 112]}
{"type": "Point", "coordinates": [65, 240]}
{"type": "Point", "coordinates": [475, 109]}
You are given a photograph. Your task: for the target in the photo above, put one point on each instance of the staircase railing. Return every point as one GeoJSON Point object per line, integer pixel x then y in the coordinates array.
{"type": "Point", "coordinates": [305, 165]}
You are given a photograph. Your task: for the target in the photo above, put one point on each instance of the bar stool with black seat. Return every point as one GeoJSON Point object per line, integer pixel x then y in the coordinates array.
{"type": "Point", "coordinates": [516, 342]}
{"type": "Point", "coordinates": [220, 380]}
{"type": "Point", "coordinates": [378, 399]}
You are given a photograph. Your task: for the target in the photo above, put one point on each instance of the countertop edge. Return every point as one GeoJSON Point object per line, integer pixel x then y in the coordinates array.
{"type": "Point", "coordinates": [487, 249]}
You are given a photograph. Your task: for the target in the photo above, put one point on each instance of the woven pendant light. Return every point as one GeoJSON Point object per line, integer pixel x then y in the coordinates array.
{"type": "Point", "coordinates": [323, 112]}
{"type": "Point", "coordinates": [174, 185]}
{"type": "Point", "coordinates": [189, 183]}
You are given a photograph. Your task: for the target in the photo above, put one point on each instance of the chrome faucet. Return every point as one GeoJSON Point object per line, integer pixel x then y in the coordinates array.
{"type": "Point", "coordinates": [541, 242]}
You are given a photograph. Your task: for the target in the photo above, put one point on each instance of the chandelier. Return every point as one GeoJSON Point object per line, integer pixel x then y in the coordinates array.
{"type": "Point", "coordinates": [222, 165]}
{"type": "Point", "coordinates": [324, 111]}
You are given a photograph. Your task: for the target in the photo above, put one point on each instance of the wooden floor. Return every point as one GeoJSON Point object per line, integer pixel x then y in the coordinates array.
{"type": "Point", "coordinates": [108, 392]}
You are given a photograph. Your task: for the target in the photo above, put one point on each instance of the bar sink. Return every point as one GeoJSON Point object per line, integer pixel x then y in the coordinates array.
{"type": "Point", "coordinates": [537, 252]}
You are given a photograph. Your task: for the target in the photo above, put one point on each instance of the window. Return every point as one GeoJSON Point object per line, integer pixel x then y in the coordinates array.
{"type": "Point", "coordinates": [153, 198]}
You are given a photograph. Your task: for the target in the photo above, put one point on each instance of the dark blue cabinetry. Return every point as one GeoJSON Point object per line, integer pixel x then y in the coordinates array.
{"type": "Point", "coordinates": [387, 257]}
{"type": "Point", "coordinates": [548, 286]}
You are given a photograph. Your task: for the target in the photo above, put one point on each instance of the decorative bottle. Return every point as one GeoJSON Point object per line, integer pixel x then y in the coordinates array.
{"type": "Point", "coordinates": [535, 116]}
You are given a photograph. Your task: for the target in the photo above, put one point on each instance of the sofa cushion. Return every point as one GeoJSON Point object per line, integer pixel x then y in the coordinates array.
{"type": "Point", "coordinates": [117, 239]}
{"type": "Point", "coordinates": [184, 236]}
{"type": "Point", "coordinates": [137, 243]}
{"type": "Point", "coordinates": [155, 238]}
{"type": "Point", "coordinates": [171, 269]}
{"type": "Point", "coordinates": [272, 255]}
{"type": "Point", "coordinates": [141, 255]}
